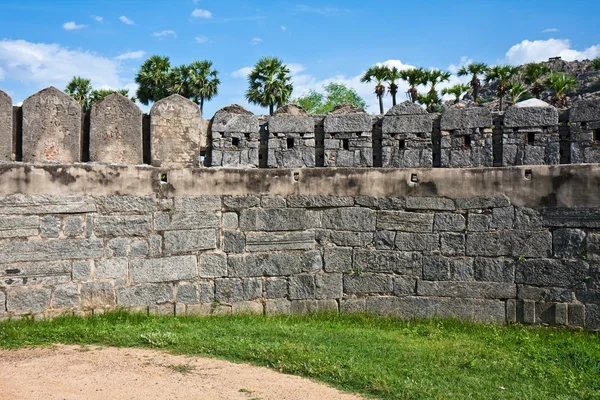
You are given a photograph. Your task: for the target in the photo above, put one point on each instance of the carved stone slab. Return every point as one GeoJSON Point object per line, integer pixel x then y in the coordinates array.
{"type": "Point", "coordinates": [116, 131]}
{"type": "Point", "coordinates": [5, 127]}
{"type": "Point", "coordinates": [51, 127]}
{"type": "Point", "coordinates": [476, 117]}
{"type": "Point", "coordinates": [175, 128]}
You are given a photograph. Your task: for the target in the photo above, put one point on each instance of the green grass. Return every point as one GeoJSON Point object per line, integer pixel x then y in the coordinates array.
{"type": "Point", "coordinates": [380, 357]}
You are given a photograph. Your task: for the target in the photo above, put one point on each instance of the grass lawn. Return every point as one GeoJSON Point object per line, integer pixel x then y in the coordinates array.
{"type": "Point", "coordinates": [379, 357]}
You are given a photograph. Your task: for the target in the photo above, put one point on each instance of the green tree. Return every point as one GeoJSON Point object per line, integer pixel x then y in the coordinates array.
{"type": "Point", "coordinates": [429, 100]}
{"type": "Point", "coordinates": [475, 70]}
{"type": "Point", "coordinates": [414, 77]}
{"type": "Point", "coordinates": [204, 82]}
{"type": "Point", "coordinates": [457, 91]}
{"type": "Point", "coordinates": [100, 94]}
{"type": "Point", "coordinates": [533, 74]}
{"type": "Point", "coordinates": [335, 94]}
{"type": "Point", "coordinates": [179, 82]}
{"type": "Point", "coordinates": [393, 77]}
{"type": "Point", "coordinates": [379, 74]}
{"type": "Point", "coordinates": [433, 77]}
{"type": "Point", "coordinates": [501, 75]}
{"type": "Point", "coordinates": [154, 79]}
{"type": "Point", "coordinates": [595, 64]}
{"type": "Point", "coordinates": [516, 90]}
{"type": "Point", "coordinates": [269, 83]}
{"type": "Point", "coordinates": [561, 84]}
{"type": "Point", "coordinates": [79, 88]}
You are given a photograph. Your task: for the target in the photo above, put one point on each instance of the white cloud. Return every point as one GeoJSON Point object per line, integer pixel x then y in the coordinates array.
{"type": "Point", "coordinates": [132, 55]}
{"type": "Point", "coordinates": [242, 72]}
{"type": "Point", "coordinates": [97, 18]}
{"type": "Point", "coordinates": [70, 26]}
{"type": "Point", "coordinates": [199, 13]}
{"type": "Point", "coordinates": [126, 20]}
{"type": "Point", "coordinates": [464, 61]}
{"type": "Point", "coordinates": [201, 39]}
{"type": "Point", "coordinates": [52, 65]}
{"type": "Point", "coordinates": [540, 50]}
{"type": "Point", "coordinates": [284, 28]}
{"type": "Point", "coordinates": [255, 41]}
{"type": "Point", "coordinates": [550, 30]}
{"type": "Point", "coordinates": [295, 69]}
{"type": "Point", "coordinates": [162, 34]}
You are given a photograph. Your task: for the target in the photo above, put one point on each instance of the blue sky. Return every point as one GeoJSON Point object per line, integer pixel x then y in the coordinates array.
{"type": "Point", "coordinates": [45, 43]}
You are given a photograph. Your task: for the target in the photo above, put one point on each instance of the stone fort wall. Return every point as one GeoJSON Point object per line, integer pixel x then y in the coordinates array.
{"type": "Point", "coordinates": [518, 243]}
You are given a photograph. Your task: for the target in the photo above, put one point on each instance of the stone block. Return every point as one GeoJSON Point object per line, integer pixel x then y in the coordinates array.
{"type": "Point", "coordinates": [82, 270]}
{"type": "Point", "coordinates": [522, 116]}
{"type": "Point", "coordinates": [63, 249]}
{"type": "Point", "coordinates": [404, 286]}
{"type": "Point", "coordinates": [187, 294]}
{"type": "Point", "coordinates": [240, 202]}
{"type": "Point", "coordinates": [452, 244]}
{"type": "Point", "coordinates": [186, 220]}
{"type": "Point", "coordinates": [527, 219]}
{"type": "Point", "coordinates": [592, 316]}
{"type": "Point", "coordinates": [511, 243]}
{"type": "Point", "coordinates": [175, 129]}
{"type": "Point", "coordinates": [248, 308]}
{"type": "Point", "coordinates": [337, 259]}
{"type": "Point", "coordinates": [119, 247]}
{"type": "Point", "coordinates": [164, 269]}
{"type": "Point", "coordinates": [51, 127]}
{"type": "Point", "coordinates": [207, 291]}
{"type": "Point", "coordinates": [154, 245]}
{"type": "Point", "coordinates": [405, 263]}
{"type": "Point", "coordinates": [384, 240]}
{"type": "Point", "coordinates": [430, 203]}
{"type": "Point", "coordinates": [568, 243]}
{"type": "Point", "coordinates": [97, 295]}
{"type": "Point", "coordinates": [44, 204]}
{"type": "Point", "coordinates": [73, 225]}
{"type": "Point", "coordinates": [349, 219]}
{"type": "Point", "coordinates": [576, 315]}
{"type": "Point", "coordinates": [436, 268]}
{"type": "Point", "coordinates": [348, 123]}
{"type": "Point", "coordinates": [258, 241]}
{"type": "Point", "coordinates": [406, 124]}
{"type": "Point", "coordinates": [66, 296]}
{"type": "Point", "coordinates": [274, 264]}
{"type": "Point", "coordinates": [550, 272]}
{"type": "Point", "coordinates": [276, 219]}
{"type": "Point", "coordinates": [144, 295]}
{"type": "Point", "coordinates": [328, 286]}
{"type": "Point", "coordinates": [304, 307]}
{"type": "Point", "coordinates": [116, 131]}
{"type": "Point", "coordinates": [302, 287]}
{"type": "Point", "coordinates": [351, 239]}
{"type": "Point", "coordinates": [49, 226]}
{"type": "Point", "coordinates": [227, 122]}
{"type": "Point", "coordinates": [481, 202]}
{"type": "Point", "coordinates": [212, 265]}
{"type": "Point", "coordinates": [585, 111]}
{"type": "Point", "coordinates": [125, 204]}
{"type": "Point", "coordinates": [234, 242]}
{"type": "Point", "coordinates": [276, 288]}
{"type": "Point", "coordinates": [6, 127]}
{"type": "Point", "coordinates": [368, 283]}
{"type": "Point", "coordinates": [571, 218]}
{"type": "Point", "coordinates": [26, 300]}
{"type": "Point", "coordinates": [111, 268]}
{"type": "Point", "coordinates": [19, 226]}
{"type": "Point", "coordinates": [503, 218]}
{"type": "Point", "coordinates": [272, 202]}
{"type": "Point", "coordinates": [484, 290]}
{"type": "Point", "coordinates": [230, 220]}
{"type": "Point", "coordinates": [478, 222]}
{"type": "Point", "coordinates": [291, 124]}
{"type": "Point", "coordinates": [126, 225]}
{"type": "Point", "coordinates": [494, 269]}
{"type": "Point", "coordinates": [303, 201]}
{"type": "Point", "coordinates": [459, 119]}
{"type": "Point", "coordinates": [404, 221]}
{"type": "Point", "coordinates": [197, 204]}
{"type": "Point", "coordinates": [351, 306]}
{"type": "Point", "coordinates": [176, 242]}
{"type": "Point", "coordinates": [278, 307]}
{"type": "Point", "coordinates": [406, 241]}
{"type": "Point", "coordinates": [449, 222]}
{"type": "Point", "coordinates": [138, 248]}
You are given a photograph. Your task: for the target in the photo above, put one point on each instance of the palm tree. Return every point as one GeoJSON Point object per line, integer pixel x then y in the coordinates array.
{"type": "Point", "coordinates": [433, 77]}
{"type": "Point", "coordinates": [100, 94]}
{"type": "Point", "coordinates": [456, 90]}
{"type": "Point", "coordinates": [414, 77]}
{"type": "Point", "coordinates": [502, 75]}
{"type": "Point", "coordinates": [475, 70]}
{"type": "Point", "coordinates": [561, 84]}
{"type": "Point", "coordinates": [393, 76]}
{"type": "Point", "coordinates": [79, 89]}
{"type": "Point", "coordinates": [153, 79]}
{"type": "Point", "coordinates": [204, 82]}
{"type": "Point", "coordinates": [429, 100]}
{"type": "Point", "coordinates": [533, 74]}
{"type": "Point", "coordinates": [179, 81]}
{"type": "Point", "coordinates": [379, 74]}
{"type": "Point", "coordinates": [516, 90]}
{"type": "Point", "coordinates": [269, 83]}
{"type": "Point", "coordinates": [595, 63]}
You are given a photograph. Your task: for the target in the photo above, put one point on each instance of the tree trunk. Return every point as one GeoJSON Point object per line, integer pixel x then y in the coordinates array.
{"type": "Point", "coordinates": [501, 101]}
{"type": "Point", "coordinates": [380, 103]}
{"type": "Point", "coordinates": [393, 91]}
{"type": "Point", "coordinates": [201, 105]}
{"type": "Point", "coordinates": [270, 109]}
{"type": "Point", "coordinates": [475, 92]}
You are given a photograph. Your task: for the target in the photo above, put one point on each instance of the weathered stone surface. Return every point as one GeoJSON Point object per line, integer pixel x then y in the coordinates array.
{"type": "Point", "coordinates": [187, 294]}
{"type": "Point", "coordinates": [337, 259]}
{"type": "Point", "coordinates": [226, 122]}
{"type": "Point", "coordinates": [406, 108]}
{"type": "Point", "coordinates": [51, 127]}
{"type": "Point", "coordinates": [138, 248]}
{"type": "Point", "coordinates": [585, 111]}
{"type": "Point", "coordinates": [240, 202]}
{"type": "Point", "coordinates": [234, 242]}
{"type": "Point", "coordinates": [568, 243]}
{"type": "Point", "coordinates": [475, 117]}
{"type": "Point", "coordinates": [571, 218]}
{"type": "Point", "coordinates": [452, 244]}
{"type": "Point", "coordinates": [592, 316]}
{"type": "Point", "coordinates": [49, 226]}
{"type": "Point", "coordinates": [436, 268]}
{"type": "Point", "coordinates": [466, 203]}
{"type": "Point", "coordinates": [274, 264]}
{"type": "Point", "coordinates": [478, 222]}
{"type": "Point", "coordinates": [276, 288]}
{"type": "Point", "coordinates": [430, 203]}
{"type": "Point", "coordinates": [368, 283]}
{"type": "Point", "coordinates": [212, 265]}
{"type": "Point", "coordinates": [404, 221]}
{"type": "Point", "coordinates": [272, 202]}
{"type": "Point", "coordinates": [19, 226]}
{"type": "Point", "coordinates": [164, 269]}
{"type": "Point", "coordinates": [111, 268]}
{"type": "Point", "coordinates": [197, 204]}
{"type": "Point", "coordinates": [527, 219]}
{"type": "Point", "coordinates": [525, 114]}
{"type": "Point", "coordinates": [303, 307]}
{"type": "Point", "coordinates": [449, 222]}
{"type": "Point", "coordinates": [291, 124]}
{"type": "Point", "coordinates": [6, 127]}
{"type": "Point", "coordinates": [387, 261]}
{"type": "Point", "coordinates": [182, 221]}
{"type": "Point", "coordinates": [66, 296]}
{"type": "Point", "coordinates": [258, 241]}
{"type": "Point", "coordinates": [82, 270]}
{"type": "Point", "coordinates": [276, 219]}
{"type": "Point", "coordinates": [320, 201]}
{"type": "Point", "coordinates": [503, 218]}
{"type": "Point", "coordinates": [125, 204]}
{"type": "Point", "coordinates": [417, 241]}
{"type": "Point", "coordinates": [175, 128]}
{"type": "Point", "coordinates": [494, 269]}
{"type": "Point", "coordinates": [485, 290]}
{"type": "Point", "coordinates": [230, 220]}
{"type": "Point", "coordinates": [302, 287]}
{"type": "Point", "coordinates": [97, 295]}
{"type": "Point", "coordinates": [126, 225]}
{"type": "Point", "coordinates": [144, 295]}
{"type": "Point", "coordinates": [42, 204]}
{"type": "Point", "coordinates": [549, 272]}
{"type": "Point", "coordinates": [189, 240]}
{"type": "Point", "coordinates": [349, 219]}
{"type": "Point", "coordinates": [50, 250]}
{"type": "Point", "coordinates": [116, 131]}
{"type": "Point", "coordinates": [348, 123]}
{"type": "Point", "coordinates": [509, 243]}
{"type": "Point", "coordinates": [406, 124]}
{"type": "Point", "coordinates": [231, 290]}
{"type": "Point", "coordinates": [384, 240]}
{"type": "Point", "coordinates": [328, 286]}
{"type": "Point", "coordinates": [25, 300]}
{"type": "Point", "coordinates": [73, 225]}
{"type": "Point", "coordinates": [351, 239]}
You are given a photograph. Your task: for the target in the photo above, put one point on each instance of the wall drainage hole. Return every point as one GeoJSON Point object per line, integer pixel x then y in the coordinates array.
{"type": "Point", "coordinates": [530, 138]}
{"type": "Point", "coordinates": [296, 176]}
{"type": "Point", "coordinates": [290, 143]}
{"type": "Point", "coordinates": [528, 174]}
{"type": "Point", "coordinates": [402, 144]}
{"type": "Point", "coordinates": [345, 144]}
{"type": "Point", "coordinates": [164, 178]}
{"type": "Point", "coordinates": [414, 178]}
{"type": "Point", "coordinates": [235, 142]}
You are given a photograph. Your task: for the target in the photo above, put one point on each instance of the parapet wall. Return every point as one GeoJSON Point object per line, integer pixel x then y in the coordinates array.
{"type": "Point", "coordinates": [492, 244]}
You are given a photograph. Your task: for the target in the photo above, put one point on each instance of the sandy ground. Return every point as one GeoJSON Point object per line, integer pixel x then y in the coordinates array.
{"type": "Point", "coordinates": [73, 372]}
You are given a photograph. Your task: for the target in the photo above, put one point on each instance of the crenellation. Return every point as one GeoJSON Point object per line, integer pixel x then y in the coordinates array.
{"type": "Point", "coordinates": [6, 128]}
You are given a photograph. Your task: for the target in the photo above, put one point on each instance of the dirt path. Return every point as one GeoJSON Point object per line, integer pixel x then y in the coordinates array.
{"type": "Point", "coordinates": [72, 372]}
